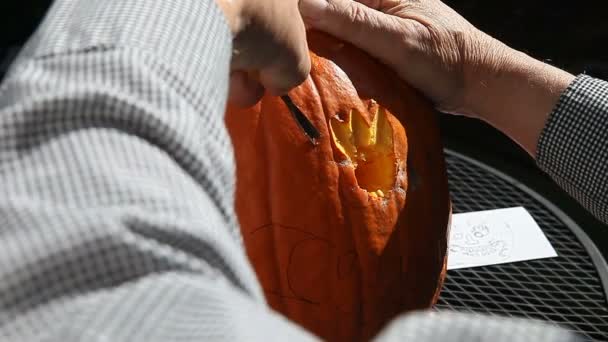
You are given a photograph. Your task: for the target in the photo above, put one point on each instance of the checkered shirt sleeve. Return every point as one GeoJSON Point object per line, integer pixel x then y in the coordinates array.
{"type": "Point", "coordinates": [117, 181]}
{"type": "Point", "coordinates": [573, 147]}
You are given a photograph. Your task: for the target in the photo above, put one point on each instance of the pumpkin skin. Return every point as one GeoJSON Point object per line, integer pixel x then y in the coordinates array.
{"type": "Point", "coordinates": [347, 234]}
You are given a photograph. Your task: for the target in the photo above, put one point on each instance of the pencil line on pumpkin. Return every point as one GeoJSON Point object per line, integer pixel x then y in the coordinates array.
{"type": "Point", "coordinates": [307, 127]}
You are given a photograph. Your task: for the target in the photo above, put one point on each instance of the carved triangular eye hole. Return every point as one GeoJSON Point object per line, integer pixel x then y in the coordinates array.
{"type": "Point", "coordinates": [369, 147]}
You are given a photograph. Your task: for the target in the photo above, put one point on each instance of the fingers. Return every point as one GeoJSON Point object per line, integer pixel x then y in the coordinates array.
{"type": "Point", "coordinates": [357, 23]}
{"type": "Point", "coordinates": [379, 4]}
{"type": "Point", "coordinates": [273, 45]}
{"type": "Point", "coordinates": [289, 65]}
{"type": "Point", "coordinates": [279, 78]}
{"type": "Point", "coordinates": [244, 90]}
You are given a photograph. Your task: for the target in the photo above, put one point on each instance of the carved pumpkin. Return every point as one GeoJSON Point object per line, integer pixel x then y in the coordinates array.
{"type": "Point", "coordinates": [347, 234]}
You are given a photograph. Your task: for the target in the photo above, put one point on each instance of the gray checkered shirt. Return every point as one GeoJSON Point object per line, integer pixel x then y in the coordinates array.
{"type": "Point", "coordinates": [117, 181]}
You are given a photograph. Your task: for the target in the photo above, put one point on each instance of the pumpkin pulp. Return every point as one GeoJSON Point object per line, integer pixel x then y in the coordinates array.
{"type": "Point", "coordinates": [369, 147]}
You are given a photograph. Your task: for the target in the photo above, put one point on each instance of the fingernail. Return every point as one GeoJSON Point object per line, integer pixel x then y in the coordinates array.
{"type": "Point", "coordinates": [312, 10]}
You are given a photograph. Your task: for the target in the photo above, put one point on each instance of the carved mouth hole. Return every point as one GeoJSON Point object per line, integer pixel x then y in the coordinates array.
{"type": "Point", "coordinates": [369, 147]}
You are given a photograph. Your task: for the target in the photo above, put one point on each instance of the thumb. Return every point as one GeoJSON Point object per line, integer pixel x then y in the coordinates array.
{"type": "Point", "coordinates": [351, 21]}
{"type": "Point", "coordinates": [245, 90]}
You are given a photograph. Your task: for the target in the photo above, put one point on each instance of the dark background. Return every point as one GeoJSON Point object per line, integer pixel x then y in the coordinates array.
{"type": "Point", "coordinates": [572, 35]}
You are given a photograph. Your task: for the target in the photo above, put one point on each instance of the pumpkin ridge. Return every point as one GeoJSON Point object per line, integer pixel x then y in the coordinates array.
{"type": "Point", "coordinates": [270, 173]}
{"type": "Point", "coordinates": [358, 309]}
{"type": "Point", "coordinates": [346, 216]}
{"type": "Point", "coordinates": [315, 89]}
{"type": "Point", "coordinates": [364, 240]}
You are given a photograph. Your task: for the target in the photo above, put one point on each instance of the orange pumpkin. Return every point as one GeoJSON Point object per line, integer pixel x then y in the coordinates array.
{"type": "Point", "coordinates": [349, 233]}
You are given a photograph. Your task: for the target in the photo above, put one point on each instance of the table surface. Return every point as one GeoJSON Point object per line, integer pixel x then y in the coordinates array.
{"type": "Point", "coordinates": [567, 290]}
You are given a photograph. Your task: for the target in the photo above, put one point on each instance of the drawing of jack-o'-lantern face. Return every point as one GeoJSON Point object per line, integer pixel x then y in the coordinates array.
{"type": "Point", "coordinates": [483, 240]}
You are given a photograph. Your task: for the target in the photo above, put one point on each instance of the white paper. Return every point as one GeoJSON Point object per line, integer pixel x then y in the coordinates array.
{"type": "Point", "coordinates": [496, 237]}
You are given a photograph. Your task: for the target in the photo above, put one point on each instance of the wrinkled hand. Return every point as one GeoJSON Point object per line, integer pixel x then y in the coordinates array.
{"type": "Point", "coordinates": [269, 50]}
{"type": "Point", "coordinates": [461, 69]}
{"type": "Point", "coordinates": [427, 43]}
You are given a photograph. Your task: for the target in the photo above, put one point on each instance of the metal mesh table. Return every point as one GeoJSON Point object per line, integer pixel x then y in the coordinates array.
{"type": "Point", "coordinates": [569, 290]}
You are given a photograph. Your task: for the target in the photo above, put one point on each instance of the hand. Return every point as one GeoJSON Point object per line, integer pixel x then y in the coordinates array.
{"type": "Point", "coordinates": [424, 41]}
{"type": "Point", "coordinates": [269, 48]}
{"type": "Point", "coordinates": [460, 68]}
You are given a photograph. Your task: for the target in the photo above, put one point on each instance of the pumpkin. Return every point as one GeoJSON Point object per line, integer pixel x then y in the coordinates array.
{"type": "Point", "coordinates": [348, 233]}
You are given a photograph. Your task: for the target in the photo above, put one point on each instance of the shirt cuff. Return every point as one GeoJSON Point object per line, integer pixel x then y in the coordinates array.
{"type": "Point", "coordinates": [573, 146]}
{"type": "Point", "coordinates": [190, 37]}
